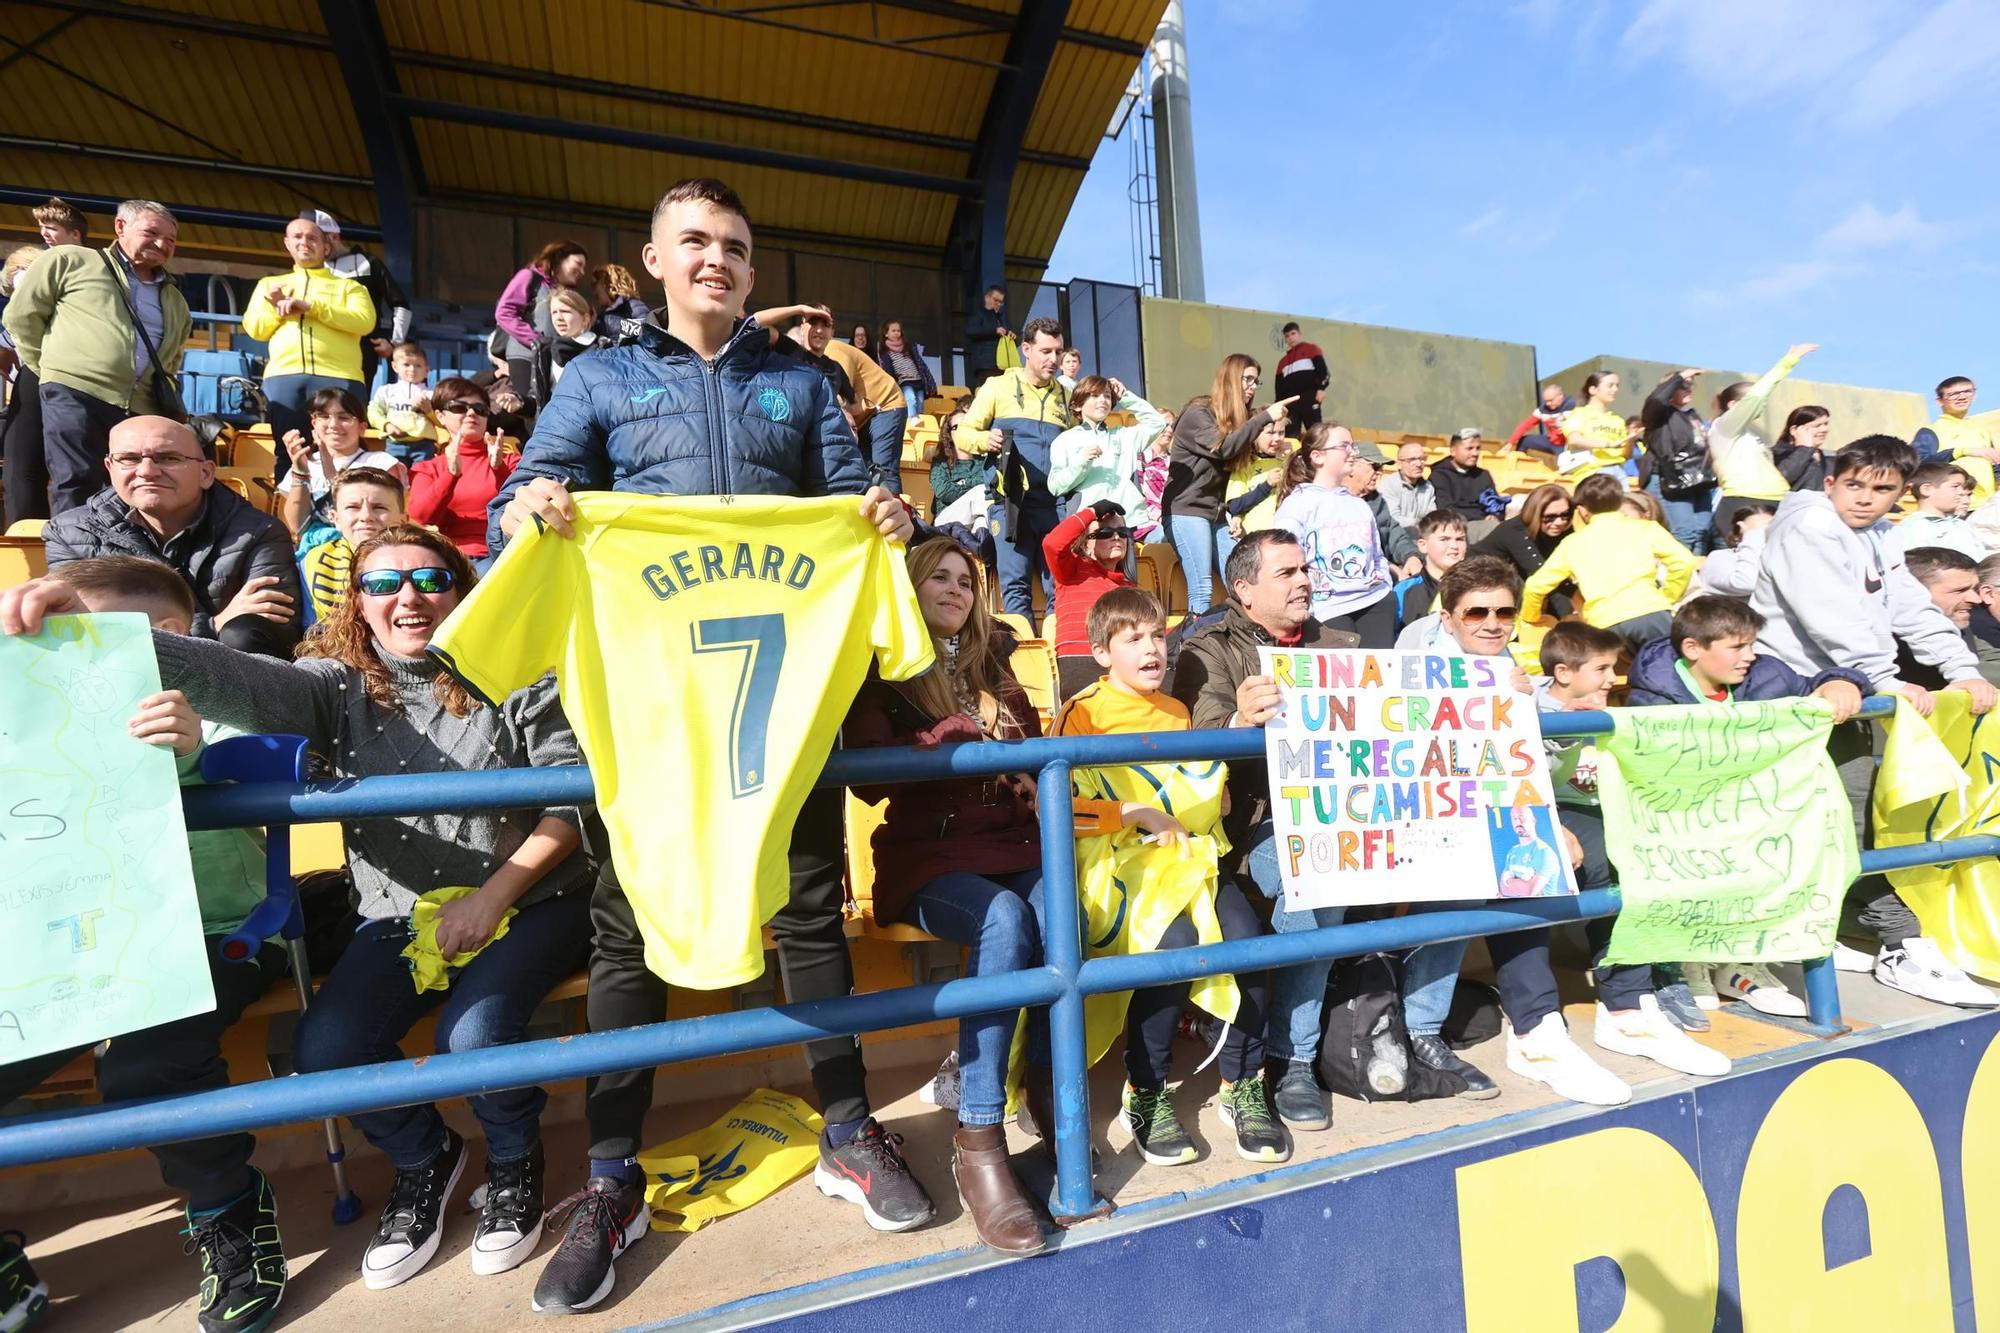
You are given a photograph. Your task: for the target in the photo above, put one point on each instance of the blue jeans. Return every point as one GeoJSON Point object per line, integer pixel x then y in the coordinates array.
{"type": "Point", "coordinates": [409, 452]}
{"type": "Point", "coordinates": [288, 396]}
{"type": "Point", "coordinates": [1199, 542]}
{"type": "Point", "coordinates": [1298, 994]}
{"type": "Point", "coordinates": [1019, 556]}
{"type": "Point", "coordinates": [1537, 444]}
{"type": "Point", "coordinates": [367, 1004]}
{"type": "Point", "coordinates": [999, 918]}
{"type": "Point", "coordinates": [913, 399]}
{"type": "Point", "coordinates": [884, 447]}
{"type": "Point", "coordinates": [1430, 975]}
{"type": "Point", "coordinates": [1690, 518]}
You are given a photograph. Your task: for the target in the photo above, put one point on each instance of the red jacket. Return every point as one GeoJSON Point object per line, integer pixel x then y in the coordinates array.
{"type": "Point", "coordinates": [1079, 583]}
{"type": "Point", "coordinates": [930, 828]}
{"type": "Point", "coordinates": [456, 505]}
{"type": "Point", "coordinates": [1535, 425]}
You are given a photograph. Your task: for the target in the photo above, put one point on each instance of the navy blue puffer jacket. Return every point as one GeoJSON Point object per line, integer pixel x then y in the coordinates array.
{"type": "Point", "coordinates": [1654, 680]}
{"type": "Point", "coordinates": [656, 419]}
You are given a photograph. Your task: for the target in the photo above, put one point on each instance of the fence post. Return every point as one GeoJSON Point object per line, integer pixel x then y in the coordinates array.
{"type": "Point", "coordinates": [1062, 949]}
{"type": "Point", "coordinates": [1823, 997]}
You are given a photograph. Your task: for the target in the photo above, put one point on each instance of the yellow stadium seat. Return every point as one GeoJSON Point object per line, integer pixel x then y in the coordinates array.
{"type": "Point", "coordinates": [317, 847]}
{"type": "Point", "coordinates": [862, 820]}
{"type": "Point", "coordinates": [21, 559]}
{"type": "Point", "coordinates": [26, 527]}
{"type": "Point", "coordinates": [1034, 665]}
{"type": "Point", "coordinates": [1016, 622]}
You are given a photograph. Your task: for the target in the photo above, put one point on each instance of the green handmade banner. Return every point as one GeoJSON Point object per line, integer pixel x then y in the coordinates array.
{"type": "Point", "coordinates": [97, 901]}
{"type": "Point", "coordinates": [1732, 836]}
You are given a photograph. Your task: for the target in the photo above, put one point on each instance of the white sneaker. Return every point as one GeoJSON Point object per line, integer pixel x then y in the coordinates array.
{"type": "Point", "coordinates": [1759, 987]}
{"type": "Point", "coordinates": [1851, 960]}
{"type": "Point", "coordinates": [1919, 968]}
{"type": "Point", "coordinates": [1648, 1032]}
{"type": "Point", "coordinates": [1547, 1055]}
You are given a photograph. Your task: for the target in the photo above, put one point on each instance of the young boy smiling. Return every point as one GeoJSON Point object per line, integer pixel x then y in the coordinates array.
{"type": "Point", "coordinates": [1128, 637]}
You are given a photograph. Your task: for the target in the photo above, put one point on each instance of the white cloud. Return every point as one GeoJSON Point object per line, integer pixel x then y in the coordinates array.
{"type": "Point", "coordinates": [1869, 228]}
{"type": "Point", "coordinates": [1860, 63]}
{"type": "Point", "coordinates": [1486, 221]}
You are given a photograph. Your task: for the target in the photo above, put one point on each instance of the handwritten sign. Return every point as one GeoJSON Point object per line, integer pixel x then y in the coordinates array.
{"type": "Point", "coordinates": [97, 900]}
{"type": "Point", "coordinates": [1732, 836]}
{"type": "Point", "coordinates": [1408, 777]}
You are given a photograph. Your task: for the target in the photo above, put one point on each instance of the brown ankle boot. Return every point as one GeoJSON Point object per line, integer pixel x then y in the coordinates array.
{"type": "Point", "coordinates": [1001, 1213]}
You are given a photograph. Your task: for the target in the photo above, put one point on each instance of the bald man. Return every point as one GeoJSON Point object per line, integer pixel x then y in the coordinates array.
{"type": "Point", "coordinates": [164, 505]}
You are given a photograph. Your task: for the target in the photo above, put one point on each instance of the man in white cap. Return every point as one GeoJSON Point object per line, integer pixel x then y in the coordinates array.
{"type": "Point", "coordinates": [392, 308]}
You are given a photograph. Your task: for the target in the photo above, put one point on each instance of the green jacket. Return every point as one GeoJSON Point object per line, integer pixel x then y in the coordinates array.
{"type": "Point", "coordinates": [69, 320]}
{"type": "Point", "coordinates": [228, 863]}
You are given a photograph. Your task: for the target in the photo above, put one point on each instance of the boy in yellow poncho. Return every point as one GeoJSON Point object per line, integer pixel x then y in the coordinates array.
{"type": "Point", "coordinates": [1147, 844]}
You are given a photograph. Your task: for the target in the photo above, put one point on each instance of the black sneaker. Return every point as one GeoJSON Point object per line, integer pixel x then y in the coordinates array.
{"type": "Point", "coordinates": [1431, 1052]}
{"type": "Point", "coordinates": [605, 1217]}
{"type": "Point", "coordinates": [24, 1298]}
{"type": "Point", "coordinates": [413, 1219]}
{"type": "Point", "coordinates": [242, 1262]}
{"type": "Point", "coordinates": [1156, 1130]}
{"type": "Point", "coordinates": [869, 1170]}
{"type": "Point", "coordinates": [510, 1214]}
{"type": "Point", "coordinates": [1299, 1099]}
{"type": "Point", "coordinates": [1246, 1109]}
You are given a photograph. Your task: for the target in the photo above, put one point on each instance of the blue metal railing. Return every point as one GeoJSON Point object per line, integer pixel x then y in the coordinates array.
{"type": "Point", "coordinates": [1061, 983]}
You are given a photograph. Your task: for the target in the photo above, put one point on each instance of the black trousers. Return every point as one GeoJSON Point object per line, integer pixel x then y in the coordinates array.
{"type": "Point", "coordinates": [1873, 903]}
{"type": "Point", "coordinates": [813, 963]}
{"type": "Point", "coordinates": [1155, 1012]}
{"type": "Point", "coordinates": [182, 1056]}
{"type": "Point", "coordinates": [1375, 623]}
{"type": "Point", "coordinates": [26, 463]}
{"type": "Point", "coordinates": [1521, 969]}
{"type": "Point", "coordinates": [1076, 672]}
{"type": "Point", "coordinates": [76, 435]}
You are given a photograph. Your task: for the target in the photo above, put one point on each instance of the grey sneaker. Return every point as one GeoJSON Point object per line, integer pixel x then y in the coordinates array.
{"type": "Point", "coordinates": [1677, 1003]}
{"type": "Point", "coordinates": [1299, 1099]}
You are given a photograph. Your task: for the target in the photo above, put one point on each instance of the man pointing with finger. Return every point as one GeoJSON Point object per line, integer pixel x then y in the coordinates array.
{"type": "Point", "coordinates": [701, 405]}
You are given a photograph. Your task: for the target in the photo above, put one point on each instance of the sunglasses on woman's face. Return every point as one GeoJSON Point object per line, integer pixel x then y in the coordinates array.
{"type": "Point", "coordinates": [1551, 515]}
{"type": "Point", "coordinates": [1478, 615]}
{"type": "Point", "coordinates": [389, 582]}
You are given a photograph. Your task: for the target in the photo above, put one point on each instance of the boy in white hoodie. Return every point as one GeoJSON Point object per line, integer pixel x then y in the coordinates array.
{"type": "Point", "coordinates": [1833, 592]}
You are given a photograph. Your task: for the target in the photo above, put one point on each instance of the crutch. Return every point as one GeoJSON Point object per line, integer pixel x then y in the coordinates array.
{"type": "Point", "coordinates": [279, 759]}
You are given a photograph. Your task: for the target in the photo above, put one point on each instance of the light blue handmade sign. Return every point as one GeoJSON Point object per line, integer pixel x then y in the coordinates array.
{"type": "Point", "coordinates": [100, 932]}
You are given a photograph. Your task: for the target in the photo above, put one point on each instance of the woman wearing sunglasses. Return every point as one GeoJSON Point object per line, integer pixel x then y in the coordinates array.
{"type": "Point", "coordinates": [337, 420]}
{"type": "Point", "coordinates": [450, 492]}
{"type": "Point", "coordinates": [370, 701]}
{"type": "Point", "coordinates": [1525, 541]}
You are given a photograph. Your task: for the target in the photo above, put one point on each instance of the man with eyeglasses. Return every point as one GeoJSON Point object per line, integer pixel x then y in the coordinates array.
{"type": "Point", "coordinates": [103, 331]}
{"type": "Point", "coordinates": [164, 505]}
{"type": "Point", "coordinates": [1953, 438]}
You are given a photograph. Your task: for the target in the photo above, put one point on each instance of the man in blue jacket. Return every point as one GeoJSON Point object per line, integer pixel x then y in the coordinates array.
{"type": "Point", "coordinates": [700, 405]}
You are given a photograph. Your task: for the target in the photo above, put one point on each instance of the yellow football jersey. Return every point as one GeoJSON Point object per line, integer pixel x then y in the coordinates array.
{"type": "Point", "coordinates": [707, 650]}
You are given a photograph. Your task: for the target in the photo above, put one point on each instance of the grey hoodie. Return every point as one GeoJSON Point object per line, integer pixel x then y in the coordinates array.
{"type": "Point", "coordinates": [1835, 597]}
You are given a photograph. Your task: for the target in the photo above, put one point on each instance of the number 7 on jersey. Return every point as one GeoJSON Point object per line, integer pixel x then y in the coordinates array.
{"type": "Point", "coordinates": [761, 641]}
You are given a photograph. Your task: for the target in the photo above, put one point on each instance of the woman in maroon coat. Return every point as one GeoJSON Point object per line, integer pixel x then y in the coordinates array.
{"type": "Point", "coordinates": [962, 860]}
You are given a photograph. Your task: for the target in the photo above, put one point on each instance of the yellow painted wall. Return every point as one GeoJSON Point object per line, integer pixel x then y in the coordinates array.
{"type": "Point", "coordinates": [1857, 411]}
{"type": "Point", "coordinates": [1383, 379]}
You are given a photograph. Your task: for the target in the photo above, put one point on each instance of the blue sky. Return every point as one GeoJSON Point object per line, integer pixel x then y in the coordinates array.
{"type": "Point", "coordinates": [1702, 181]}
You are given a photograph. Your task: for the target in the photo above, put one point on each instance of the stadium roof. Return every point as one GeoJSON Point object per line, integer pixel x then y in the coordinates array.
{"type": "Point", "coordinates": [936, 131]}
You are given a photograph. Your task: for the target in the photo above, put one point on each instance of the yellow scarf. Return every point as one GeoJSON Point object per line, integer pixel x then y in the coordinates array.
{"type": "Point", "coordinates": [430, 969]}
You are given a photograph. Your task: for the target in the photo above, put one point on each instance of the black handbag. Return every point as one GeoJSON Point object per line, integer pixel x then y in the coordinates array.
{"type": "Point", "coordinates": [1687, 469]}
{"type": "Point", "coordinates": [166, 390]}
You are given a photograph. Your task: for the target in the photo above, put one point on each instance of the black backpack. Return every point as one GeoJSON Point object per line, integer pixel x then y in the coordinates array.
{"type": "Point", "coordinates": [1364, 1051]}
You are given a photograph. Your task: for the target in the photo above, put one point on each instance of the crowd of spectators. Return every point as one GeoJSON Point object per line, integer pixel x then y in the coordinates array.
{"type": "Point", "coordinates": [1289, 532]}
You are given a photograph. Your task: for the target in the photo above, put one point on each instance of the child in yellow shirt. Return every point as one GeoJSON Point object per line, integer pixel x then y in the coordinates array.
{"type": "Point", "coordinates": [1630, 571]}
{"type": "Point", "coordinates": [1181, 812]}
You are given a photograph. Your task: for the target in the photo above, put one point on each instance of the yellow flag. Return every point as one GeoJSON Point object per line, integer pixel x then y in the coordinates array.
{"type": "Point", "coordinates": [1940, 779]}
{"type": "Point", "coordinates": [1132, 890]}
{"type": "Point", "coordinates": [768, 1140]}
{"type": "Point", "coordinates": [430, 969]}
